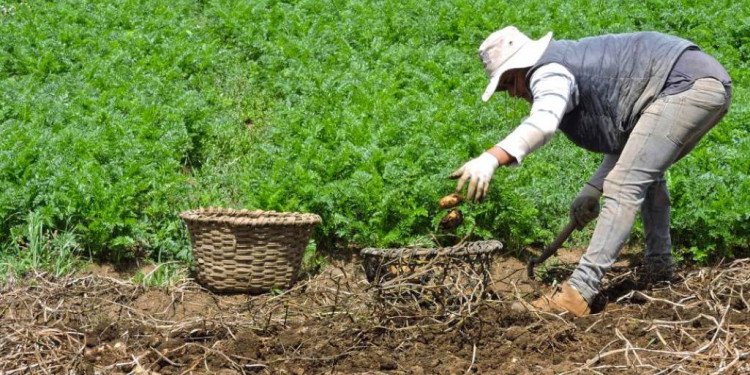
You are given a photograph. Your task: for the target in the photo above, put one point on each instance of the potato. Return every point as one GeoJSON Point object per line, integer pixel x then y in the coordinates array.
{"type": "Point", "coordinates": [452, 220]}
{"type": "Point", "coordinates": [450, 200]}
{"type": "Point", "coordinates": [399, 270]}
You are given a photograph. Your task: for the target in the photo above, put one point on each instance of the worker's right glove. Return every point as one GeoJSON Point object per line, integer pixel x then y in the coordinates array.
{"type": "Point", "coordinates": [585, 206]}
{"type": "Point", "coordinates": [478, 172]}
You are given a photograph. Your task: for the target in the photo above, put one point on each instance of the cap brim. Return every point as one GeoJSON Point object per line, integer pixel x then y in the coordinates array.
{"type": "Point", "coordinates": [492, 86]}
{"type": "Point", "coordinates": [532, 51]}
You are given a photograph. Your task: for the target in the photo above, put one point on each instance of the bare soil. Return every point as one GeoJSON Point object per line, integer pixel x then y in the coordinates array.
{"type": "Point", "coordinates": [336, 322]}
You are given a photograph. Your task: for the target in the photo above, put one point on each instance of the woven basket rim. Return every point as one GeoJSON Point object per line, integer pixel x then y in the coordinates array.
{"type": "Point", "coordinates": [469, 248]}
{"type": "Point", "coordinates": [232, 216]}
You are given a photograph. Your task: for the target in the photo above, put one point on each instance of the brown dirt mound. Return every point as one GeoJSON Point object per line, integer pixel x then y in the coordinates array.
{"type": "Point", "coordinates": [337, 323]}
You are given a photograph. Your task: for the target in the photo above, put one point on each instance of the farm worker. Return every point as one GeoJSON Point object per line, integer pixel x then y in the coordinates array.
{"type": "Point", "coordinates": [642, 99]}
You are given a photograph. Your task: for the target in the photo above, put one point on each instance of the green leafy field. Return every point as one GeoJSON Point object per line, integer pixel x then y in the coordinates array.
{"type": "Point", "coordinates": [117, 115]}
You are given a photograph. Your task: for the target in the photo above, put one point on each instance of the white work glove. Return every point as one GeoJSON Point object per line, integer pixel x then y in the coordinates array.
{"type": "Point", "coordinates": [479, 172]}
{"type": "Point", "coordinates": [585, 206]}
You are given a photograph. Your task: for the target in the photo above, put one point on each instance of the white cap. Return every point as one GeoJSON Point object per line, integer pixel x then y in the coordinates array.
{"type": "Point", "coordinates": [508, 49]}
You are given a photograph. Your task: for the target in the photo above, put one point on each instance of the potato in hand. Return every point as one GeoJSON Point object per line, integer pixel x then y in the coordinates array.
{"type": "Point", "coordinates": [450, 200]}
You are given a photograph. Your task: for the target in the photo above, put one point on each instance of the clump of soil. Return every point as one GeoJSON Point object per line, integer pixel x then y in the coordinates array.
{"type": "Point", "coordinates": [337, 323]}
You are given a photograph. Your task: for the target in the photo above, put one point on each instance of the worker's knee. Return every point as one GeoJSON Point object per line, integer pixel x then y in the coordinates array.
{"type": "Point", "coordinates": [657, 194]}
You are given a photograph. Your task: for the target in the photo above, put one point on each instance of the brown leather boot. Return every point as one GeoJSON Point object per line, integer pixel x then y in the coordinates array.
{"type": "Point", "coordinates": [563, 298]}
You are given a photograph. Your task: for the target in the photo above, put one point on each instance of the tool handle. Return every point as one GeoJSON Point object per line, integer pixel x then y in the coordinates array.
{"type": "Point", "coordinates": [552, 247]}
{"type": "Point", "coordinates": [559, 240]}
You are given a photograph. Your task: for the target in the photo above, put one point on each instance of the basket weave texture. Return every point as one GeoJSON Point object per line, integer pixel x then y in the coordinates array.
{"type": "Point", "coordinates": [247, 251]}
{"type": "Point", "coordinates": [446, 279]}
{"type": "Point", "coordinates": [384, 264]}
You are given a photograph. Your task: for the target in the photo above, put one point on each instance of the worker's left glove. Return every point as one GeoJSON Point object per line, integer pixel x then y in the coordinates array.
{"type": "Point", "coordinates": [585, 206]}
{"type": "Point", "coordinates": [479, 172]}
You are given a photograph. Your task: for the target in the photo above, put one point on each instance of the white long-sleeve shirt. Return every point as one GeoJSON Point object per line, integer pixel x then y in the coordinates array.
{"type": "Point", "coordinates": [555, 93]}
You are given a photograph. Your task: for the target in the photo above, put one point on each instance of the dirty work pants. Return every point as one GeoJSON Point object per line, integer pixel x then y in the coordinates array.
{"type": "Point", "coordinates": [667, 130]}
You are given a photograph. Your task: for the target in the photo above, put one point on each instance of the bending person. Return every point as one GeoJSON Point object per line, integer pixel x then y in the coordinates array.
{"type": "Point", "coordinates": [643, 99]}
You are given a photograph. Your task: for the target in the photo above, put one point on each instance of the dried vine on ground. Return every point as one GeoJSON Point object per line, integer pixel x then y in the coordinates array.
{"type": "Point", "coordinates": [336, 322]}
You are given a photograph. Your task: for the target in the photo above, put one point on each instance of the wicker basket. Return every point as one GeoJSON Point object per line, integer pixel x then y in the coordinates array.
{"type": "Point", "coordinates": [444, 279]}
{"type": "Point", "coordinates": [382, 265]}
{"type": "Point", "coordinates": [247, 251]}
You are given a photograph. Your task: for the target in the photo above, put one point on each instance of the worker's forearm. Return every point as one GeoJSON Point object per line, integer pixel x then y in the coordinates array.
{"type": "Point", "coordinates": [501, 155]}
{"type": "Point", "coordinates": [553, 87]}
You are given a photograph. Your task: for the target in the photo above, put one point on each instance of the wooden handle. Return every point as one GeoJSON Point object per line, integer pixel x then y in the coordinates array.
{"type": "Point", "coordinates": [552, 247]}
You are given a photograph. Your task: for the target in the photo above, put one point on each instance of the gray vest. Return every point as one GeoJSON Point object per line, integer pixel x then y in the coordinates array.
{"type": "Point", "coordinates": [617, 76]}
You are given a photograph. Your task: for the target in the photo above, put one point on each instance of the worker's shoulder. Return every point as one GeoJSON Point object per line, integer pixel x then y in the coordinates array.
{"type": "Point", "coordinates": [551, 70]}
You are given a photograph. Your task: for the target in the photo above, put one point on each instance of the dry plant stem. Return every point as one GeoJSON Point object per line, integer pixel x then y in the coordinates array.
{"type": "Point", "coordinates": [726, 344]}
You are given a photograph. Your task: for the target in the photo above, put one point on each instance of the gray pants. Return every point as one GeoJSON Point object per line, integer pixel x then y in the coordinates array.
{"type": "Point", "coordinates": [668, 129]}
